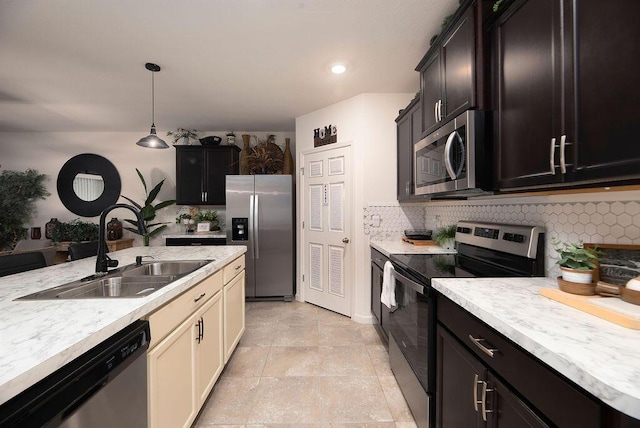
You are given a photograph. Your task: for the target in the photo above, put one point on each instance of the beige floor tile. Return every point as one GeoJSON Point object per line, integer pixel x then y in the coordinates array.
{"type": "Point", "coordinates": [286, 400]}
{"type": "Point", "coordinates": [397, 405]}
{"type": "Point", "coordinates": [257, 335]}
{"type": "Point", "coordinates": [230, 401]}
{"type": "Point", "coordinates": [289, 426]}
{"type": "Point", "coordinates": [342, 334]}
{"type": "Point", "coordinates": [345, 361]}
{"type": "Point", "coordinates": [327, 317]}
{"type": "Point", "coordinates": [380, 360]}
{"type": "Point", "coordinates": [406, 425]}
{"type": "Point", "coordinates": [247, 361]}
{"type": "Point", "coordinates": [370, 335]}
{"type": "Point", "coordinates": [366, 425]}
{"type": "Point", "coordinates": [356, 399]}
{"type": "Point", "coordinates": [292, 361]}
{"type": "Point", "coordinates": [295, 335]}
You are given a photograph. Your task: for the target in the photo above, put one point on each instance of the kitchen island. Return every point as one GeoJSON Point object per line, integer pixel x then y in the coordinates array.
{"type": "Point", "coordinates": [38, 337]}
{"type": "Point", "coordinates": [597, 355]}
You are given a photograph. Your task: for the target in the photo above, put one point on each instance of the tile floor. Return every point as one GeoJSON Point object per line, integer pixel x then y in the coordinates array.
{"type": "Point", "coordinates": [298, 365]}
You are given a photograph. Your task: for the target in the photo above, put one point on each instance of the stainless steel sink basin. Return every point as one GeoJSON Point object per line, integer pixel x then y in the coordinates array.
{"type": "Point", "coordinates": [165, 268]}
{"type": "Point", "coordinates": [128, 281]}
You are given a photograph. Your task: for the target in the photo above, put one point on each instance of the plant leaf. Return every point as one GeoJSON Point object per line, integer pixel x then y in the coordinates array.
{"type": "Point", "coordinates": [164, 204]}
{"type": "Point", "coordinates": [144, 183]}
{"type": "Point", "coordinates": [135, 204]}
{"type": "Point", "coordinates": [156, 231]}
{"type": "Point", "coordinates": [154, 193]}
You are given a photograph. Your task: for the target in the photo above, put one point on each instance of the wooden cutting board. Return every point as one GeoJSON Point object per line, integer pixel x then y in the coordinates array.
{"type": "Point", "coordinates": [609, 308]}
{"type": "Point", "coordinates": [419, 241]}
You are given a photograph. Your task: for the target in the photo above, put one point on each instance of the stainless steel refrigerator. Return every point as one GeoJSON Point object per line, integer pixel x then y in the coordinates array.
{"type": "Point", "coordinates": [259, 214]}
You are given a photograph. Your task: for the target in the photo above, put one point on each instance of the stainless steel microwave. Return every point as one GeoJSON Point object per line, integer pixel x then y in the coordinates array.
{"type": "Point", "coordinates": [455, 158]}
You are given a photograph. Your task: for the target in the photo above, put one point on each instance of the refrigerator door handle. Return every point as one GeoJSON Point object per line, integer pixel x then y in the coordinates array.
{"type": "Point", "coordinates": [251, 227]}
{"type": "Point", "coordinates": [256, 227]}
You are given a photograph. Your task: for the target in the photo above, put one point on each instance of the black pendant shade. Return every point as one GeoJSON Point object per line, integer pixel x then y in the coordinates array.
{"type": "Point", "coordinates": [152, 141]}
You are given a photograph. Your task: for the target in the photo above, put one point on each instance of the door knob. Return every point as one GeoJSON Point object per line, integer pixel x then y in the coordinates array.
{"type": "Point", "coordinates": [345, 240]}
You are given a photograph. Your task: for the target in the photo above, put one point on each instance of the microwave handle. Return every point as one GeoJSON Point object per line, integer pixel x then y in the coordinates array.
{"type": "Point", "coordinates": [447, 155]}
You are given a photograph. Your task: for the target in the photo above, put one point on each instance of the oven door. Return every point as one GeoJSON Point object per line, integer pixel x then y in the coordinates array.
{"type": "Point", "coordinates": [445, 159]}
{"type": "Point", "coordinates": [411, 346]}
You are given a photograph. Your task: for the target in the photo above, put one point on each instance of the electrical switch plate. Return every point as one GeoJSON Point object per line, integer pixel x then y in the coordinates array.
{"type": "Point", "coordinates": [375, 220]}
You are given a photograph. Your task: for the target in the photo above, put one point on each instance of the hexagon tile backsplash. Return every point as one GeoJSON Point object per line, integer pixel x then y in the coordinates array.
{"type": "Point", "coordinates": [611, 222]}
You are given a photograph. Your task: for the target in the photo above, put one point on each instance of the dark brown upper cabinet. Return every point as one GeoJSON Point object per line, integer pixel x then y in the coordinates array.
{"type": "Point", "coordinates": [409, 132]}
{"type": "Point", "coordinates": [448, 71]}
{"type": "Point", "coordinates": [200, 173]}
{"type": "Point", "coordinates": [565, 107]}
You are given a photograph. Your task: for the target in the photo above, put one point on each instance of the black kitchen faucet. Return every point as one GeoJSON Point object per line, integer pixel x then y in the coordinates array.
{"type": "Point", "coordinates": [103, 262]}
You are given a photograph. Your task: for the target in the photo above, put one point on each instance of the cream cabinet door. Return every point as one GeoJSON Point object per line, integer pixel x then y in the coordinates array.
{"type": "Point", "coordinates": [171, 381]}
{"type": "Point", "coordinates": [209, 358]}
{"type": "Point", "coordinates": [233, 314]}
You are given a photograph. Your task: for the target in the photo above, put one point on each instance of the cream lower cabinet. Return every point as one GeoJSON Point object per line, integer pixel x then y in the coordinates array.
{"type": "Point", "coordinates": [233, 314]}
{"type": "Point", "coordinates": [184, 365]}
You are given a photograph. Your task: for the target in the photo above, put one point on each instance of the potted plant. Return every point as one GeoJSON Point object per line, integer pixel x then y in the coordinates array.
{"type": "Point", "coordinates": [445, 236]}
{"type": "Point", "coordinates": [208, 216]}
{"type": "Point", "coordinates": [183, 218]}
{"type": "Point", "coordinates": [148, 211]}
{"type": "Point", "coordinates": [75, 231]}
{"type": "Point", "coordinates": [576, 262]}
{"type": "Point", "coordinates": [18, 193]}
{"type": "Point", "coordinates": [186, 135]}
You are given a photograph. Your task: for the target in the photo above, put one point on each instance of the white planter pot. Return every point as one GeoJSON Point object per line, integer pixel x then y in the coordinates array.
{"type": "Point", "coordinates": [579, 276]}
{"type": "Point", "coordinates": [449, 244]}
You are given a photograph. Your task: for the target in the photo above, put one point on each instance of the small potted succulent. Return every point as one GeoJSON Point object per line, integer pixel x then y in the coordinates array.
{"type": "Point", "coordinates": [186, 135]}
{"type": "Point", "coordinates": [445, 236]}
{"type": "Point", "coordinates": [577, 263]}
{"type": "Point", "coordinates": [184, 218]}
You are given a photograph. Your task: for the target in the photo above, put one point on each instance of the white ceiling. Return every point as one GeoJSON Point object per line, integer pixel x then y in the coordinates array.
{"type": "Point", "coordinates": [78, 65]}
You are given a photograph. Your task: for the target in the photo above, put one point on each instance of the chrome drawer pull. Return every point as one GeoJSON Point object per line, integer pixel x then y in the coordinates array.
{"type": "Point", "coordinates": [478, 342]}
{"type": "Point", "coordinates": [475, 391]}
{"type": "Point", "coordinates": [552, 157]}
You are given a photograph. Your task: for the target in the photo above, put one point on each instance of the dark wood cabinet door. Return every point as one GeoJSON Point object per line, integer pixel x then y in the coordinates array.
{"type": "Point", "coordinates": [458, 67]}
{"type": "Point", "coordinates": [604, 124]}
{"type": "Point", "coordinates": [458, 374]}
{"type": "Point", "coordinates": [190, 166]}
{"type": "Point", "coordinates": [431, 93]}
{"type": "Point", "coordinates": [376, 290]}
{"type": "Point", "coordinates": [505, 409]}
{"type": "Point", "coordinates": [527, 93]}
{"type": "Point", "coordinates": [404, 156]}
{"type": "Point", "coordinates": [220, 161]}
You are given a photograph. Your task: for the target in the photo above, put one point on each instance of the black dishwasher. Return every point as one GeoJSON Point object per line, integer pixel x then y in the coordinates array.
{"type": "Point", "coordinates": [104, 387]}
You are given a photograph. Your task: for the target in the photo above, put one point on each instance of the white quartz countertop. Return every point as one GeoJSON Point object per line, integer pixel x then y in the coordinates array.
{"type": "Point", "coordinates": [39, 336]}
{"type": "Point", "coordinates": [598, 355]}
{"type": "Point", "coordinates": [400, 247]}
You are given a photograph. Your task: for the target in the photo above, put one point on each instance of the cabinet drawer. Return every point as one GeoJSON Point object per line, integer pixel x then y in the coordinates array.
{"type": "Point", "coordinates": [536, 382]}
{"type": "Point", "coordinates": [232, 269]}
{"type": "Point", "coordinates": [168, 317]}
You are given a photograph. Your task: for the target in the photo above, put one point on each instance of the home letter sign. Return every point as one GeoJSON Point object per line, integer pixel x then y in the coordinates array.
{"type": "Point", "coordinates": [324, 136]}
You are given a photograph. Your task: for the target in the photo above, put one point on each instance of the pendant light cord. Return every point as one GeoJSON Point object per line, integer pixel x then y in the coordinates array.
{"type": "Point", "coordinates": [153, 99]}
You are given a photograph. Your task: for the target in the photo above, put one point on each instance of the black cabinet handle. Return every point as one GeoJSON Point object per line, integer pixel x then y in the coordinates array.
{"type": "Point", "coordinates": [202, 324]}
{"type": "Point", "coordinates": [199, 331]}
{"type": "Point", "coordinates": [197, 299]}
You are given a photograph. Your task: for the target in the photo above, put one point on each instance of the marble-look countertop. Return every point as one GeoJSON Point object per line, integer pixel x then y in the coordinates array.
{"type": "Point", "coordinates": [596, 354]}
{"type": "Point", "coordinates": [400, 247]}
{"type": "Point", "coordinates": [197, 235]}
{"type": "Point", "coordinates": [39, 336]}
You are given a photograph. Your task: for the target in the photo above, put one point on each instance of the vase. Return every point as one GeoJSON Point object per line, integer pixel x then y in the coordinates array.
{"type": "Point", "coordinates": [244, 155]}
{"type": "Point", "coordinates": [287, 165]}
{"type": "Point", "coordinates": [114, 229]}
{"type": "Point", "coordinates": [49, 227]}
{"type": "Point", "coordinates": [36, 233]}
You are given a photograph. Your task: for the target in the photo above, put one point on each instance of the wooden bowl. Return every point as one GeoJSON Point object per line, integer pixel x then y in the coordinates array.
{"type": "Point", "coordinates": [630, 296]}
{"type": "Point", "coordinates": [577, 288]}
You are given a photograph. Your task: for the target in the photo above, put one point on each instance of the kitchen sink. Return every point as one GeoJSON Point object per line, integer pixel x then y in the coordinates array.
{"type": "Point", "coordinates": [134, 280]}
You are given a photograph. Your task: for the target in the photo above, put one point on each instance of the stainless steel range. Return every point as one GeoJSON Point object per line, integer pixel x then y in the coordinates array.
{"type": "Point", "coordinates": [484, 250]}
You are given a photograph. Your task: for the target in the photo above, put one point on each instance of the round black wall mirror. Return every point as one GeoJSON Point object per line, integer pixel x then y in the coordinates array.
{"type": "Point", "coordinates": [84, 199]}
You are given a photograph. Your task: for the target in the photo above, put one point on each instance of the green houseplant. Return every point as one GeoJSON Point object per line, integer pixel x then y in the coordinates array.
{"type": "Point", "coordinates": [445, 236]}
{"type": "Point", "coordinates": [209, 216]}
{"type": "Point", "coordinates": [576, 262]}
{"type": "Point", "coordinates": [183, 134]}
{"type": "Point", "coordinates": [18, 193]}
{"type": "Point", "coordinates": [148, 211]}
{"type": "Point", "coordinates": [75, 231]}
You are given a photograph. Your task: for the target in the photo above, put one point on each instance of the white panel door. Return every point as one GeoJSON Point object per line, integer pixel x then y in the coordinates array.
{"type": "Point", "coordinates": [326, 229]}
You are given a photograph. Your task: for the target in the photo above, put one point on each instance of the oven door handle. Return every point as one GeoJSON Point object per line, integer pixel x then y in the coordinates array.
{"type": "Point", "coordinates": [408, 282]}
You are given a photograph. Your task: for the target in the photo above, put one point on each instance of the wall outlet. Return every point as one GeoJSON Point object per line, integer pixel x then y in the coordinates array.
{"type": "Point", "coordinates": [375, 220]}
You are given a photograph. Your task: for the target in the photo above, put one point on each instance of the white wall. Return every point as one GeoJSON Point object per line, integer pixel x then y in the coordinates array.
{"type": "Point", "coordinates": [367, 123]}
{"type": "Point", "coordinates": [47, 153]}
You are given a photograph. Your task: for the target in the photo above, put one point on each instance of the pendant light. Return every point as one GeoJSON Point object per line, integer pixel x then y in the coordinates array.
{"type": "Point", "coordinates": [152, 141]}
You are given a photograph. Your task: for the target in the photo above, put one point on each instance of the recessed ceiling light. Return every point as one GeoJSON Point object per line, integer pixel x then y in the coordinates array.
{"type": "Point", "coordinates": [338, 68]}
